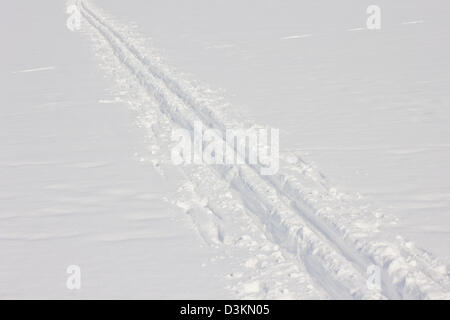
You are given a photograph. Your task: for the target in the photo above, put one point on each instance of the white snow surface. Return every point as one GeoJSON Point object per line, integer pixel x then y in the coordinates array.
{"type": "Point", "coordinates": [86, 176]}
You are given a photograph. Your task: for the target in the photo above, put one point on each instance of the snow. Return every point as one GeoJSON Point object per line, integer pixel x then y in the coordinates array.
{"type": "Point", "coordinates": [73, 188]}
{"type": "Point", "coordinates": [86, 171]}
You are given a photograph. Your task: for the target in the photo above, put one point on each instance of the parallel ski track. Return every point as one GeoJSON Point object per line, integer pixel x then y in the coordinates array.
{"type": "Point", "coordinates": [332, 261]}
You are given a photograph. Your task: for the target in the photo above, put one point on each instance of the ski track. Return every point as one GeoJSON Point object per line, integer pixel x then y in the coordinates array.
{"type": "Point", "coordinates": [301, 233]}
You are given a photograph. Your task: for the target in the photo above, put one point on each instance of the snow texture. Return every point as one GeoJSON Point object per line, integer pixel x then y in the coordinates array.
{"type": "Point", "coordinates": [86, 171]}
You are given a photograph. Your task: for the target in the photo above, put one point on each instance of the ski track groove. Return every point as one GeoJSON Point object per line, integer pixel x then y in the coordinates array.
{"type": "Point", "coordinates": [332, 260]}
